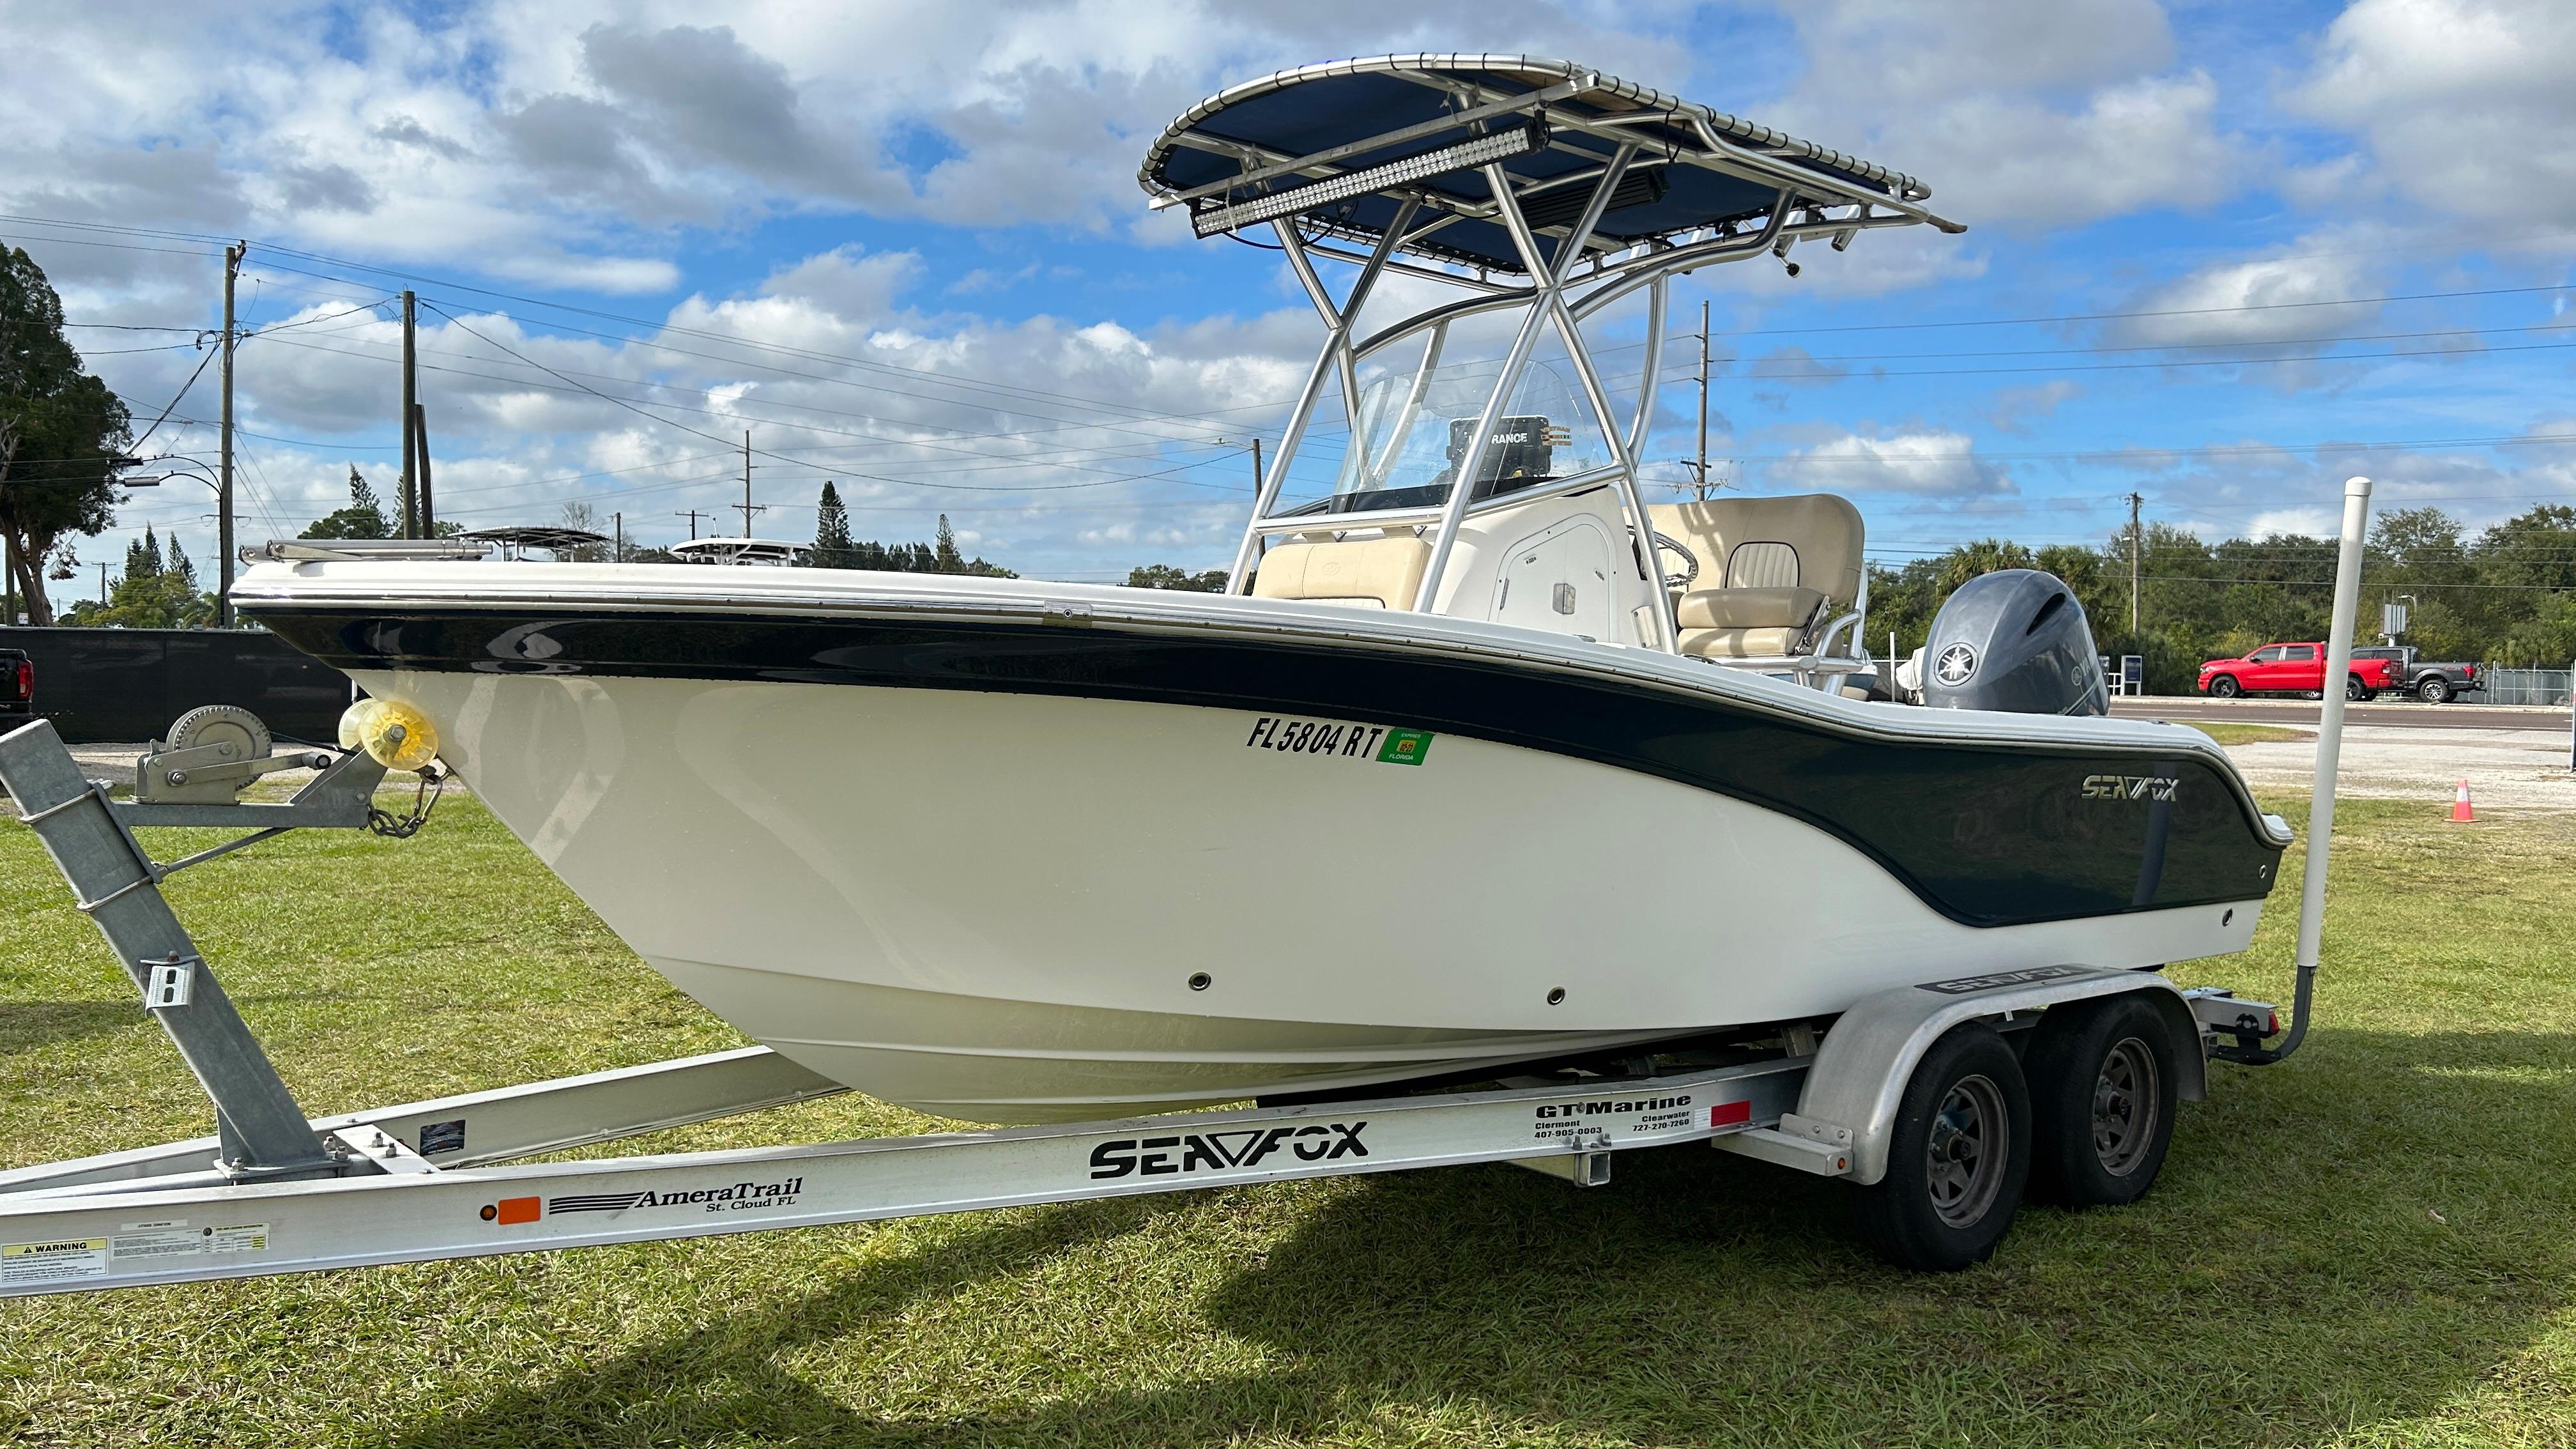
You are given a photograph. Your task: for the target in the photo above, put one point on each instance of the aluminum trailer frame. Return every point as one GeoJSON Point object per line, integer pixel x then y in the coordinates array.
{"type": "Point", "coordinates": [276, 1191]}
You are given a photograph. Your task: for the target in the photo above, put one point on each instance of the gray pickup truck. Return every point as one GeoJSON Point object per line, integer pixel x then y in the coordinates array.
{"type": "Point", "coordinates": [2431, 683]}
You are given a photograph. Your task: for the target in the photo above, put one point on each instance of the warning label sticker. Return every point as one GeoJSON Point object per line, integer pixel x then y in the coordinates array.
{"type": "Point", "coordinates": [174, 1239]}
{"type": "Point", "coordinates": [56, 1262]}
{"type": "Point", "coordinates": [246, 1238]}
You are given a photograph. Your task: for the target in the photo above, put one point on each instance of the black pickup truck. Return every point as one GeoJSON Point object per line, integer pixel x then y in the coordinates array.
{"type": "Point", "coordinates": [2431, 683]}
{"type": "Point", "coordinates": [17, 689]}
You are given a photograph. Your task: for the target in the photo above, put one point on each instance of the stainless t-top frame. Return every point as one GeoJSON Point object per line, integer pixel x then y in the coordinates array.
{"type": "Point", "coordinates": [1567, 282]}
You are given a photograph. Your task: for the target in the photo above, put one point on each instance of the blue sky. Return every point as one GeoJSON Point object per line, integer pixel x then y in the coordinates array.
{"type": "Point", "coordinates": [905, 247]}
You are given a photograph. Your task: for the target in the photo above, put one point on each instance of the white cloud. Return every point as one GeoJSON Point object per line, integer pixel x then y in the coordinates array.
{"type": "Point", "coordinates": [2014, 409]}
{"type": "Point", "coordinates": [2017, 112]}
{"type": "Point", "coordinates": [1925, 461]}
{"type": "Point", "coordinates": [2265, 300]}
{"type": "Point", "coordinates": [2315, 522]}
{"type": "Point", "coordinates": [2463, 105]}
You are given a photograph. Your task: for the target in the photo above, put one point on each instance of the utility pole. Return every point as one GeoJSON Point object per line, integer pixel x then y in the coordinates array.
{"type": "Point", "coordinates": [420, 445]}
{"type": "Point", "coordinates": [102, 586]}
{"type": "Point", "coordinates": [693, 516]}
{"type": "Point", "coordinates": [1702, 466]}
{"type": "Point", "coordinates": [746, 505]}
{"type": "Point", "coordinates": [2137, 551]}
{"type": "Point", "coordinates": [410, 437]}
{"type": "Point", "coordinates": [224, 489]}
{"type": "Point", "coordinates": [617, 550]}
{"type": "Point", "coordinates": [1256, 467]}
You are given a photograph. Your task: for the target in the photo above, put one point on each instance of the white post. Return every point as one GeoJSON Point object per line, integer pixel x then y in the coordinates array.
{"type": "Point", "coordinates": [2347, 599]}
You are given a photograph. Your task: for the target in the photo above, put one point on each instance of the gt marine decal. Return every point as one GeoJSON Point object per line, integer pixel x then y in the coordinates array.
{"type": "Point", "coordinates": [1616, 1105]}
{"type": "Point", "coordinates": [1570, 1123]}
{"type": "Point", "coordinates": [1338, 741]}
{"type": "Point", "coordinates": [1218, 1151]}
{"type": "Point", "coordinates": [2130, 787]}
{"type": "Point", "coordinates": [732, 1197]}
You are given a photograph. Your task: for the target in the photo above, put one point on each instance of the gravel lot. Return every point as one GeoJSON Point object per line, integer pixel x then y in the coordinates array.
{"type": "Point", "coordinates": [2515, 769]}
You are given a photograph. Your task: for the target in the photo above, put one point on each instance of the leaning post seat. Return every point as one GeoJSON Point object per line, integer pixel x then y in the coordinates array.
{"type": "Point", "coordinates": [1772, 570]}
{"type": "Point", "coordinates": [1371, 573]}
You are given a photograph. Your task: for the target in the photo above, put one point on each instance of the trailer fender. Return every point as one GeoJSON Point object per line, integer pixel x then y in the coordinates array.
{"type": "Point", "coordinates": [1851, 1093]}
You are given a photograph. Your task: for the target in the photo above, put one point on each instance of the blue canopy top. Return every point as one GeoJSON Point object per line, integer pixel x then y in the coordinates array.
{"type": "Point", "coordinates": [1265, 140]}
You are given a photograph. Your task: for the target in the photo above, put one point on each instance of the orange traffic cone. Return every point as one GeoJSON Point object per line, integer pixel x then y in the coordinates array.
{"type": "Point", "coordinates": [2460, 810]}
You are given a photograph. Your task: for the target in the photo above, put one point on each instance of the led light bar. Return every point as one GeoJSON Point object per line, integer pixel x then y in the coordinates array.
{"type": "Point", "coordinates": [1462, 156]}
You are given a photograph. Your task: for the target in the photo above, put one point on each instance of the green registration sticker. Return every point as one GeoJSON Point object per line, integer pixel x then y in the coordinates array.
{"type": "Point", "coordinates": [1404, 747]}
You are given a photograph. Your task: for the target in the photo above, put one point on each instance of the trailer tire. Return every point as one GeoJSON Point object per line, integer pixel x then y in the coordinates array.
{"type": "Point", "coordinates": [1957, 1159]}
{"type": "Point", "coordinates": [2103, 1089]}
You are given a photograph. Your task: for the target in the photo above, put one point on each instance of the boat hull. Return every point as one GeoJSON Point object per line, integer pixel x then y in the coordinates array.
{"type": "Point", "coordinates": [915, 866]}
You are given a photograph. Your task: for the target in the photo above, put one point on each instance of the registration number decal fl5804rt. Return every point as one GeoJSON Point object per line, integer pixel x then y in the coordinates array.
{"type": "Point", "coordinates": [1335, 739]}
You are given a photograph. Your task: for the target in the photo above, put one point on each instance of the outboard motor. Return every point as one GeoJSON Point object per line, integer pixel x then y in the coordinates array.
{"type": "Point", "coordinates": [2014, 640]}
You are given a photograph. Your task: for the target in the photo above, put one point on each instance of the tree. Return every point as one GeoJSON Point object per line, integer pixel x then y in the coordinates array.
{"type": "Point", "coordinates": [1164, 576]}
{"type": "Point", "coordinates": [152, 595]}
{"type": "Point", "coordinates": [152, 601]}
{"type": "Point", "coordinates": [61, 431]}
{"type": "Point", "coordinates": [578, 514]}
{"type": "Point", "coordinates": [833, 547]}
{"type": "Point", "coordinates": [944, 555]}
{"type": "Point", "coordinates": [363, 518]}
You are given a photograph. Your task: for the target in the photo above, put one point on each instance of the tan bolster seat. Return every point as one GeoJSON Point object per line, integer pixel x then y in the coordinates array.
{"type": "Point", "coordinates": [1746, 623]}
{"type": "Point", "coordinates": [1371, 573]}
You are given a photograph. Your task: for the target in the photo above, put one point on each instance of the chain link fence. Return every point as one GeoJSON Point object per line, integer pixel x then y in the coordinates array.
{"type": "Point", "coordinates": [2525, 686]}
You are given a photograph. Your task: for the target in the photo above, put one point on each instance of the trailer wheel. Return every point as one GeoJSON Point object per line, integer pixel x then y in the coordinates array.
{"type": "Point", "coordinates": [2102, 1094]}
{"type": "Point", "coordinates": [1957, 1159]}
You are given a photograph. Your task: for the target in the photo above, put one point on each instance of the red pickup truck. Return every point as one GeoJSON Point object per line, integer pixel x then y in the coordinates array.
{"type": "Point", "coordinates": [2293, 669]}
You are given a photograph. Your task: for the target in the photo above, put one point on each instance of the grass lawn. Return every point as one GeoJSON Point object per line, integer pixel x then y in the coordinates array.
{"type": "Point", "coordinates": [2248, 734]}
{"type": "Point", "coordinates": [2375, 1244]}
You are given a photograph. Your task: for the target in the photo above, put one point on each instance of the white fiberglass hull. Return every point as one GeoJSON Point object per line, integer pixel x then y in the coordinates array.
{"type": "Point", "coordinates": [1007, 906]}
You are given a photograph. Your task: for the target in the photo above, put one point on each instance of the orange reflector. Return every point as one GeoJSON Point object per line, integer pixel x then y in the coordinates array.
{"type": "Point", "coordinates": [520, 1210]}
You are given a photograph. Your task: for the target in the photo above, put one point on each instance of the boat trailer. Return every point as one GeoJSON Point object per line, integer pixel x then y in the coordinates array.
{"type": "Point", "coordinates": [275, 1190]}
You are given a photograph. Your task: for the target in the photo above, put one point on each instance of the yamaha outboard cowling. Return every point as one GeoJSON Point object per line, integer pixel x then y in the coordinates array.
{"type": "Point", "coordinates": [2015, 640]}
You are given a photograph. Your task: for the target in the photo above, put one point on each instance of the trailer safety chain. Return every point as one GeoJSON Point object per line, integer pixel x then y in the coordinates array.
{"type": "Point", "coordinates": [433, 783]}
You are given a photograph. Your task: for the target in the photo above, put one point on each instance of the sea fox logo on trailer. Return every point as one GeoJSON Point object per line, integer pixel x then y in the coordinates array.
{"type": "Point", "coordinates": [2130, 787]}
{"type": "Point", "coordinates": [1216, 1151]}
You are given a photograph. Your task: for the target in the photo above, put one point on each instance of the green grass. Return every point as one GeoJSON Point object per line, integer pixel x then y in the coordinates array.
{"type": "Point", "coordinates": [2374, 1245]}
{"type": "Point", "coordinates": [2247, 734]}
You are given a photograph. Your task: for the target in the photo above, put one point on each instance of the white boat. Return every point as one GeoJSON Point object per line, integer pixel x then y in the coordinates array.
{"type": "Point", "coordinates": [1447, 782]}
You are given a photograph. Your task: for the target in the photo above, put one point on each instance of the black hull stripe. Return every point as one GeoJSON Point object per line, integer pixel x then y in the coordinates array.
{"type": "Point", "coordinates": [1988, 835]}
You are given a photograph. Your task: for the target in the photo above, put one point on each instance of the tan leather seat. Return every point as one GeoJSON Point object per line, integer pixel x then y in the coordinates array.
{"type": "Point", "coordinates": [1370, 573]}
{"type": "Point", "coordinates": [1771, 571]}
{"type": "Point", "coordinates": [1747, 623]}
